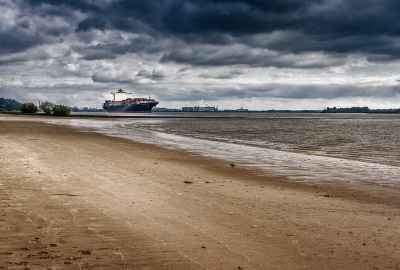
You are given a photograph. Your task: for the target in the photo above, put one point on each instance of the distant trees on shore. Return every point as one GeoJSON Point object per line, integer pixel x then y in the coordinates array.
{"type": "Point", "coordinates": [57, 110]}
{"type": "Point", "coordinates": [61, 110]}
{"type": "Point", "coordinates": [359, 110]}
{"type": "Point", "coordinates": [29, 107]}
{"type": "Point", "coordinates": [49, 108]}
{"type": "Point", "coordinates": [347, 110]}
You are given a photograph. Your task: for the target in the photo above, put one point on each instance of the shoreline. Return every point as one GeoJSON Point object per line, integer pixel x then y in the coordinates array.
{"type": "Point", "coordinates": [73, 198]}
{"type": "Point", "coordinates": [368, 191]}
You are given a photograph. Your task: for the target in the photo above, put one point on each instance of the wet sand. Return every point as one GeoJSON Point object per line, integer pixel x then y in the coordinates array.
{"type": "Point", "coordinates": [79, 200]}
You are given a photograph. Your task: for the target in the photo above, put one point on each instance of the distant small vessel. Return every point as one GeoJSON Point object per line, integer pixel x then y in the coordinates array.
{"type": "Point", "coordinates": [206, 108]}
{"type": "Point", "coordinates": [122, 103]}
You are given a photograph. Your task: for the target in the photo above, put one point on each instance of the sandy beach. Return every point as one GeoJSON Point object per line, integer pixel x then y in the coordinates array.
{"type": "Point", "coordinates": [81, 200]}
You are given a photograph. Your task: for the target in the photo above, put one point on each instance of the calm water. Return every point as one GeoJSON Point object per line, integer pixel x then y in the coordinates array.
{"type": "Point", "coordinates": [356, 148]}
{"type": "Point", "coordinates": [372, 138]}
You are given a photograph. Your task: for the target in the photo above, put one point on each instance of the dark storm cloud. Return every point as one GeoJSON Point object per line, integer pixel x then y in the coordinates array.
{"type": "Point", "coordinates": [15, 40]}
{"type": "Point", "coordinates": [99, 56]}
{"type": "Point", "coordinates": [105, 78]}
{"type": "Point", "coordinates": [154, 75]}
{"type": "Point", "coordinates": [144, 44]}
{"type": "Point", "coordinates": [82, 5]}
{"type": "Point", "coordinates": [290, 91]}
{"type": "Point", "coordinates": [121, 78]}
{"type": "Point", "coordinates": [218, 76]}
{"type": "Point", "coordinates": [230, 56]}
{"type": "Point", "coordinates": [370, 27]}
{"type": "Point", "coordinates": [23, 30]}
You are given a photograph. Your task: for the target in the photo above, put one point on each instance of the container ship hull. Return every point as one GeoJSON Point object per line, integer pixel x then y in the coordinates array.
{"type": "Point", "coordinates": [122, 103]}
{"type": "Point", "coordinates": [131, 108]}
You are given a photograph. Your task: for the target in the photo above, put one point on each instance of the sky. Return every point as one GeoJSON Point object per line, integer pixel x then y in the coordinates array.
{"type": "Point", "coordinates": [255, 54]}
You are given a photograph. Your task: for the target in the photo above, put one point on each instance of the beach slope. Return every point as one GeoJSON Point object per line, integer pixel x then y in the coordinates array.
{"type": "Point", "coordinates": [79, 200]}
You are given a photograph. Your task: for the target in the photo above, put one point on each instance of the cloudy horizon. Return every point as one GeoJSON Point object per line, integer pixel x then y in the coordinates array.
{"type": "Point", "coordinates": [260, 55]}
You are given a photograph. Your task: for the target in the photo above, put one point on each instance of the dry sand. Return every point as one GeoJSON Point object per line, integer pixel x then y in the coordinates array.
{"type": "Point", "coordinates": [79, 200]}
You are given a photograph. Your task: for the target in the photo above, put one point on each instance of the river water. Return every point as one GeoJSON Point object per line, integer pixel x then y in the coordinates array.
{"type": "Point", "coordinates": [360, 149]}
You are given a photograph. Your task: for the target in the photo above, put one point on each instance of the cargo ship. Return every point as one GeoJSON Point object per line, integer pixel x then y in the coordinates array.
{"type": "Point", "coordinates": [122, 103]}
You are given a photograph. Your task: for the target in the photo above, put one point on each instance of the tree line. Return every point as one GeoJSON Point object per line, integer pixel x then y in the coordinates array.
{"type": "Point", "coordinates": [47, 107]}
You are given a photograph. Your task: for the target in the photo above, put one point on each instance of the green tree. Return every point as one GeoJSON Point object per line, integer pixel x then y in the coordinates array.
{"type": "Point", "coordinates": [61, 110]}
{"type": "Point", "coordinates": [29, 107]}
{"type": "Point", "coordinates": [47, 107]}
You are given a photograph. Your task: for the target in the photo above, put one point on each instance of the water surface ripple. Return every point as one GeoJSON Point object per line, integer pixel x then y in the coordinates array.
{"type": "Point", "coordinates": [355, 148]}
